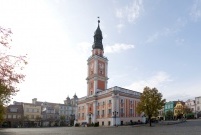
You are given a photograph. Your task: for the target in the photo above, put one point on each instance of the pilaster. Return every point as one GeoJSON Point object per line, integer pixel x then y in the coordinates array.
{"type": "Point", "coordinates": [95, 85]}
{"type": "Point", "coordinates": [96, 66]}
{"type": "Point", "coordinates": [94, 111]}
{"type": "Point", "coordinates": [87, 117]}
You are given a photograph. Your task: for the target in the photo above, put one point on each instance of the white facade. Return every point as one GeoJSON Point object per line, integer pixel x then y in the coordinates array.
{"type": "Point", "coordinates": [190, 103]}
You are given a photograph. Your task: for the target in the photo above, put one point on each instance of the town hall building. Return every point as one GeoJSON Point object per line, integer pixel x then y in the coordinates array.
{"type": "Point", "coordinates": [106, 106]}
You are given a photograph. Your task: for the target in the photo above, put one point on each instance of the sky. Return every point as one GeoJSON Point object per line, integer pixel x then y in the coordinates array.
{"type": "Point", "coordinates": [148, 43]}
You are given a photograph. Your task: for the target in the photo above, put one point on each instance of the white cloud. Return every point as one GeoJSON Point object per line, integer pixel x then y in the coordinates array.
{"type": "Point", "coordinates": [195, 12]}
{"type": "Point", "coordinates": [84, 48]}
{"type": "Point", "coordinates": [158, 80]}
{"type": "Point", "coordinates": [119, 27]}
{"type": "Point", "coordinates": [130, 12]}
{"type": "Point", "coordinates": [134, 10]}
{"type": "Point", "coordinates": [116, 48]}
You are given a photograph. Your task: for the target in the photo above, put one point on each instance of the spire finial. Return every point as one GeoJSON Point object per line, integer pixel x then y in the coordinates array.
{"type": "Point", "coordinates": [98, 20]}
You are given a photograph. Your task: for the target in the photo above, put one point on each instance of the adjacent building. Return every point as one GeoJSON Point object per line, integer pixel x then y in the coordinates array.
{"type": "Point", "coordinates": [169, 106]}
{"type": "Point", "coordinates": [32, 114]}
{"type": "Point", "coordinates": [50, 116]}
{"type": "Point", "coordinates": [56, 114]}
{"type": "Point", "coordinates": [68, 110]}
{"type": "Point", "coordinates": [49, 112]}
{"type": "Point", "coordinates": [179, 109]}
{"type": "Point", "coordinates": [198, 106]}
{"type": "Point", "coordinates": [108, 107]}
{"type": "Point", "coordinates": [190, 103]}
{"type": "Point", "coordinates": [14, 116]}
{"type": "Point", "coordinates": [161, 114]}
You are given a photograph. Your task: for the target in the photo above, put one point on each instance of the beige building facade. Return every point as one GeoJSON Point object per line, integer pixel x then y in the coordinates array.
{"type": "Point", "coordinates": [179, 109]}
{"type": "Point", "coordinates": [32, 113]}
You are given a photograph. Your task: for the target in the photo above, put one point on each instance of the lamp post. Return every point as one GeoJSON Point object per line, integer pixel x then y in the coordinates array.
{"type": "Point", "coordinates": [115, 113]}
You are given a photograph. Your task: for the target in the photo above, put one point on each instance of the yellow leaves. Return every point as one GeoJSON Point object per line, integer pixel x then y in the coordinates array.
{"type": "Point", "coordinates": [150, 102]}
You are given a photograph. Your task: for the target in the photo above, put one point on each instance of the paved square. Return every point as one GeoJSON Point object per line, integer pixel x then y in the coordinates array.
{"type": "Point", "coordinates": [192, 127]}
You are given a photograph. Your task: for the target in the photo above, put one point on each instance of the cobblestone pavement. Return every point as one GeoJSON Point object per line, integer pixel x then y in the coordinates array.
{"type": "Point", "coordinates": [191, 127]}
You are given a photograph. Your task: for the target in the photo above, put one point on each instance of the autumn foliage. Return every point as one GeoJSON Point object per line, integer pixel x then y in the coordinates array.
{"type": "Point", "coordinates": [150, 103]}
{"type": "Point", "coordinates": [10, 69]}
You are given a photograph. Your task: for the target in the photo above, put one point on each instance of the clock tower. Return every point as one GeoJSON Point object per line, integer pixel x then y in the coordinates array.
{"type": "Point", "coordinates": [97, 66]}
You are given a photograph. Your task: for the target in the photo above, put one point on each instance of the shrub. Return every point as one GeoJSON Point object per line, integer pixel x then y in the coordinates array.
{"type": "Point", "coordinates": [77, 124]}
{"type": "Point", "coordinates": [190, 116]}
{"type": "Point", "coordinates": [96, 124]}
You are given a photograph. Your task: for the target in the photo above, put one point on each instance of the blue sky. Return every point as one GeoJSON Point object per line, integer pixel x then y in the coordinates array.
{"type": "Point", "coordinates": [148, 43]}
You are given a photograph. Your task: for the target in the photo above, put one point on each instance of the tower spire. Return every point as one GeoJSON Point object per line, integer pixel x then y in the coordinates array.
{"type": "Point", "coordinates": [98, 37]}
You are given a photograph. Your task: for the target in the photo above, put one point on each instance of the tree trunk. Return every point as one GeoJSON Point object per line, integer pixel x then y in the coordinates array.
{"type": "Point", "coordinates": [150, 121]}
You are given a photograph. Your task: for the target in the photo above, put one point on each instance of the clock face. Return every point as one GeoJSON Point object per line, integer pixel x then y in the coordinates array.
{"type": "Point", "coordinates": [101, 65]}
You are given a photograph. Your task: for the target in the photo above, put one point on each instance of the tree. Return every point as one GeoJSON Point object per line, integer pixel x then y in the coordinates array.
{"type": "Point", "coordinates": [62, 120]}
{"type": "Point", "coordinates": [10, 70]}
{"type": "Point", "coordinates": [187, 110]}
{"type": "Point", "coordinates": [2, 111]}
{"type": "Point", "coordinates": [150, 102]}
{"type": "Point", "coordinates": [169, 114]}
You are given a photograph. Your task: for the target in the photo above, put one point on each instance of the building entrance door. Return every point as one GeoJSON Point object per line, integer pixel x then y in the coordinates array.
{"type": "Point", "coordinates": [89, 120]}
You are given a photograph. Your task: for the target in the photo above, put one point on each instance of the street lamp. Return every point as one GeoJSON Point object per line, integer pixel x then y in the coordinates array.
{"type": "Point", "coordinates": [115, 115]}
